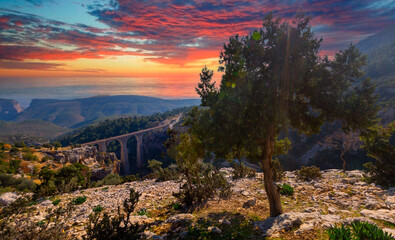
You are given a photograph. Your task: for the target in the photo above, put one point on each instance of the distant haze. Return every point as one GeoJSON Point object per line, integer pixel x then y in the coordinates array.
{"type": "Point", "coordinates": [24, 90]}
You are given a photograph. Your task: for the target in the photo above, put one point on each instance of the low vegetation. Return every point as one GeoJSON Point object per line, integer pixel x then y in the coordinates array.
{"type": "Point", "coordinates": [358, 231]}
{"type": "Point", "coordinates": [308, 173]}
{"type": "Point", "coordinates": [117, 227]}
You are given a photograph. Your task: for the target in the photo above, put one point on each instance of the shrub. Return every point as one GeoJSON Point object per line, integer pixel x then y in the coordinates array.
{"type": "Point", "coordinates": [25, 184]}
{"type": "Point", "coordinates": [78, 200]}
{"type": "Point", "coordinates": [20, 144]}
{"type": "Point", "coordinates": [20, 184]}
{"type": "Point", "coordinates": [364, 230]}
{"type": "Point", "coordinates": [286, 190]}
{"type": "Point", "coordinates": [308, 173]}
{"type": "Point", "coordinates": [278, 170]}
{"type": "Point", "coordinates": [358, 231]}
{"type": "Point", "coordinates": [241, 171]}
{"type": "Point", "coordinates": [142, 211]}
{"type": "Point", "coordinates": [130, 178]}
{"type": "Point", "coordinates": [46, 158]}
{"type": "Point", "coordinates": [339, 233]}
{"type": "Point", "coordinates": [162, 174]}
{"type": "Point", "coordinates": [118, 227]}
{"type": "Point", "coordinates": [377, 143]}
{"type": "Point", "coordinates": [111, 179]}
{"type": "Point", "coordinates": [202, 181]}
{"type": "Point", "coordinates": [52, 228]}
{"type": "Point", "coordinates": [56, 202]}
{"type": "Point", "coordinates": [14, 166]}
{"type": "Point", "coordinates": [97, 209]}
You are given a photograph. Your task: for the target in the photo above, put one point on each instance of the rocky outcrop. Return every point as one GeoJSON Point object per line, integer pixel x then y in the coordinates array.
{"type": "Point", "coordinates": [88, 155]}
{"type": "Point", "coordinates": [9, 109]}
{"type": "Point", "coordinates": [8, 198]}
{"type": "Point", "coordinates": [335, 198]}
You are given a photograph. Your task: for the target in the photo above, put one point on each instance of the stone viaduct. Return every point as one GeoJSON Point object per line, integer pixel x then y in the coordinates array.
{"type": "Point", "coordinates": [123, 139]}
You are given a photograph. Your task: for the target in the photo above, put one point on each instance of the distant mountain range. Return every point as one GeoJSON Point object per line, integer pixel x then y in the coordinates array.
{"type": "Point", "coordinates": [380, 49]}
{"type": "Point", "coordinates": [80, 112]}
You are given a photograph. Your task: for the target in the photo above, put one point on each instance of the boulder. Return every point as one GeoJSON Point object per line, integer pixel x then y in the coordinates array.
{"type": "Point", "coordinates": [8, 198]}
{"type": "Point", "coordinates": [283, 222]}
{"type": "Point", "coordinates": [249, 203]}
{"type": "Point", "coordinates": [180, 219]}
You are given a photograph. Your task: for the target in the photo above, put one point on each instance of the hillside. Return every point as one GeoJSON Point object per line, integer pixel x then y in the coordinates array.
{"type": "Point", "coordinates": [9, 109]}
{"type": "Point", "coordinates": [337, 197]}
{"type": "Point", "coordinates": [32, 128]}
{"type": "Point", "coordinates": [380, 49]}
{"type": "Point", "coordinates": [79, 112]}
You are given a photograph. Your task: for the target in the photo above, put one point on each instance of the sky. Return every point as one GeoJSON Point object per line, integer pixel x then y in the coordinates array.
{"type": "Point", "coordinates": [77, 48]}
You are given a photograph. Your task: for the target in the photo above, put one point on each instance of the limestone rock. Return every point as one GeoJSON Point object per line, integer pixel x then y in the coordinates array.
{"type": "Point", "coordinates": [382, 214]}
{"type": "Point", "coordinates": [214, 230]}
{"type": "Point", "coordinates": [249, 203]}
{"type": "Point", "coordinates": [180, 218]}
{"type": "Point", "coordinates": [283, 222]}
{"type": "Point", "coordinates": [8, 198]}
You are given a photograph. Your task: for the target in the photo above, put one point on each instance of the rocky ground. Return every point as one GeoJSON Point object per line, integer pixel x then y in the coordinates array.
{"type": "Point", "coordinates": [337, 197]}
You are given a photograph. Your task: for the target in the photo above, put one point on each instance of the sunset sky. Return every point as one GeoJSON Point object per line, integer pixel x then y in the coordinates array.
{"type": "Point", "coordinates": [154, 48]}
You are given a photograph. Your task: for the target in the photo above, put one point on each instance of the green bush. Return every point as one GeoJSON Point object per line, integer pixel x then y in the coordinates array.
{"type": "Point", "coordinates": [25, 185]}
{"type": "Point", "coordinates": [20, 184]}
{"type": "Point", "coordinates": [117, 227]}
{"type": "Point", "coordinates": [240, 170]}
{"type": "Point", "coordinates": [56, 202]}
{"type": "Point", "coordinates": [358, 231]}
{"type": "Point", "coordinates": [20, 144]}
{"type": "Point", "coordinates": [142, 211]}
{"type": "Point", "coordinates": [111, 179]}
{"type": "Point", "coordinates": [286, 190]}
{"type": "Point", "coordinates": [339, 233]}
{"type": "Point", "coordinates": [78, 200]}
{"type": "Point", "coordinates": [367, 231]}
{"type": "Point", "coordinates": [162, 174]}
{"type": "Point", "coordinates": [97, 209]}
{"type": "Point", "coordinates": [278, 170]}
{"type": "Point", "coordinates": [377, 143]}
{"type": "Point", "coordinates": [201, 180]}
{"type": "Point", "coordinates": [308, 173]}
{"type": "Point", "coordinates": [130, 178]}
{"type": "Point", "coordinates": [66, 179]}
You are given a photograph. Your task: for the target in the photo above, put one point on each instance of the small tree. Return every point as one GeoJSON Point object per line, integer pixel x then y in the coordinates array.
{"type": "Point", "coordinates": [344, 142]}
{"type": "Point", "coordinates": [378, 141]}
{"type": "Point", "coordinates": [274, 79]}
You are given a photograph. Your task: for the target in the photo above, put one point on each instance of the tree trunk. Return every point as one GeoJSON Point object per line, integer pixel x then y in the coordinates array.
{"type": "Point", "coordinates": [271, 190]}
{"type": "Point", "coordinates": [344, 161]}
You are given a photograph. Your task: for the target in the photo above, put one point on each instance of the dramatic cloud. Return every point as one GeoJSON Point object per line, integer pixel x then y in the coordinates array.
{"type": "Point", "coordinates": [181, 32]}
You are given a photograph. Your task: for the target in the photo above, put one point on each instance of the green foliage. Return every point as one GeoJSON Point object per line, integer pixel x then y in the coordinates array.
{"type": "Point", "coordinates": [56, 202]}
{"type": "Point", "coordinates": [377, 143]}
{"type": "Point", "coordinates": [277, 170]}
{"type": "Point", "coordinates": [142, 211]}
{"type": "Point", "coordinates": [130, 178]}
{"type": "Point", "coordinates": [98, 209]}
{"type": "Point", "coordinates": [202, 181]}
{"type": "Point", "coordinates": [78, 200]}
{"type": "Point", "coordinates": [367, 231]}
{"type": "Point", "coordinates": [276, 82]}
{"type": "Point", "coordinates": [358, 231]}
{"type": "Point", "coordinates": [111, 179]}
{"type": "Point", "coordinates": [14, 166]}
{"type": "Point", "coordinates": [340, 233]}
{"type": "Point", "coordinates": [308, 173]}
{"type": "Point", "coordinates": [20, 144]}
{"type": "Point", "coordinates": [30, 157]}
{"type": "Point", "coordinates": [20, 184]}
{"type": "Point", "coordinates": [52, 228]}
{"type": "Point", "coordinates": [162, 174]}
{"type": "Point", "coordinates": [241, 171]}
{"type": "Point", "coordinates": [118, 227]}
{"type": "Point", "coordinates": [286, 190]}
{"type": "Point", "coordinates": [66, 179]}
